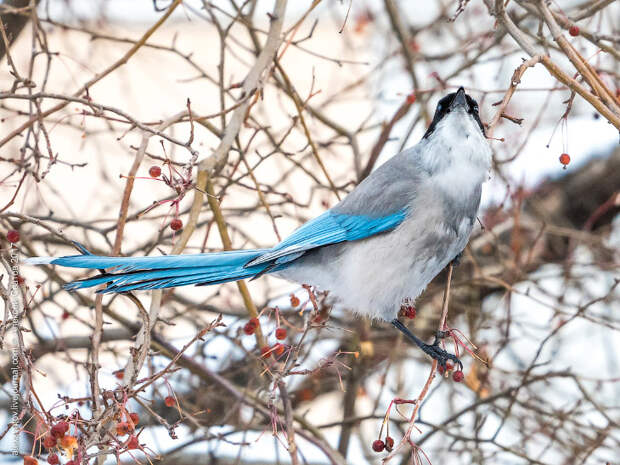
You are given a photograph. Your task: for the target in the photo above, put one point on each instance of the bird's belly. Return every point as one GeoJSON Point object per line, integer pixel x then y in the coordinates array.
{"type": "Point", "coordinates": [373, 276]}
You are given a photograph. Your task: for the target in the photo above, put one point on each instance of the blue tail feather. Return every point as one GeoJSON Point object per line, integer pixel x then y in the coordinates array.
{"type": "Point", "coordinates": [142, 273]}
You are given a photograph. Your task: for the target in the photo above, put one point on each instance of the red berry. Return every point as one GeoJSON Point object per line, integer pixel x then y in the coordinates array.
{"type": "Point", "coordinates": [154, 171]}
{"type": "Point", "coordinates": [59, 429]}
{"type": "Point", "coordinates": [176, 224]}
{"type": "Point", "coordinates": [12, 236]}
{"type": "Point", "coordinates": [278, 349]}
{"type": "Point", "coordinates": [411, 98]}
{"type": "Point", "coordinates": [29, 460]}
{"type": "Point", "coordinates": [265, 352]}
{"type": "Point", "coordinates": [119, 374]}
{"type": "Point", "coordinates": [573, 30]}
{"type": "Point", "coordinates": [169, 401]}
{"type": "Point", "coordinates": [49, 441]}
{"type": "Point", "coordinates": [280, 333]}
{"type": "Point", "coordinates": [565, 159]}
{"type": "Point", "coordinates": [458, 376]}
{"type": "Point", "coordinates": [65, 315]}
{"type": "Point", "coordinates": [20, 280]}
{"type": "Point", "coordinates": [52, 459]}
{"type": "Point", "coordinates": [135, 418]}
{"type": "Point", "coordinates": [249, 328]}
{"type": "Point", "coordinates": [378, 445]}
{"type": "Point", "coordinates": [122, 428]}
{"type": "Point", "coordinates": [389, 443]}
{"type": "Point", "coordinates": [133, 443]}
{"type": "Point", "coordinates": [294, 301]}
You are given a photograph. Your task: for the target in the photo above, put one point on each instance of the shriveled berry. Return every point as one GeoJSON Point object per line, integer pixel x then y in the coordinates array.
{"type": "Point", "coordinates": [52, 459]}
{"type": "Point", "coordinates": [49, 441]}
{"type": "Point", "coordinates": [294, 301]}
{"type": "Point", "coordinates": [59, 429]}
{"type": "Point", "coordinates": [378, 445]}
{"type": "Point", "coordinates": [442, 370]}
{"type": "Point", "coordinates": [135, 418]}
{"type": "Point", "coordinates": [281, 333]}
{"type": "Point", "coordinates": [133, 443]}
{"type": "Point", "coordinates": [176, 224]}
{"type": "Point", "coordinates": [12, 236]}
{"type": "Point", "coordinates": [411, 98]}
{"type": "Point", "coordinates": [122, 428]}
{"type": "Point", "coordinates": [265, 352]}
{"type": "Point", "coordinates": [154, 171]}
{"type": "Point", "coordinates": [573, 30]}
{"type": "Point", "coordinates": [29, 460]}
{"type": "Point", "coordinates": [169, 401]}
{"type": "Point", "coordinates": [565, 159]}
{"type": "Point", "coordinates": [458, 376]}
{"type": "Point", "coordinates": [65, 315]}
{"type": "Point", "coordinates": [389, 443]}
{"type": "Point", "coordinates": [20, 280]}
{"type": "Point", "coordinates": [278, 349]}
{"type": "Point", "coordinates": [408, 311]}
{"type": "Point", "coordinates": [68, 442]}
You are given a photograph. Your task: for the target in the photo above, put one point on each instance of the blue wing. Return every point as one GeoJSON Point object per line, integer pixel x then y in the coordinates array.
{"type": "Point", "coordinates": [329, 228]}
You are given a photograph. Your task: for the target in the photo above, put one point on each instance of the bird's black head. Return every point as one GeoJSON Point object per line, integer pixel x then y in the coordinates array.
{"type": "Point", "coordinates": [457, 101]}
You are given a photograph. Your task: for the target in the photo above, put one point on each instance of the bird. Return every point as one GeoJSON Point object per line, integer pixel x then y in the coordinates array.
{"type": "Point", "coordinates": [381, 244]}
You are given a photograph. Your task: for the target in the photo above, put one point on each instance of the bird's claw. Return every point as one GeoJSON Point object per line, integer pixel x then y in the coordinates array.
{"type": "Point", "coordinates": [439, 354]}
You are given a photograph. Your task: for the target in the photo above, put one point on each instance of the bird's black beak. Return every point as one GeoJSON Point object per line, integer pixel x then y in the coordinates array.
{"type": "Point", "coordinates": [459, 99]}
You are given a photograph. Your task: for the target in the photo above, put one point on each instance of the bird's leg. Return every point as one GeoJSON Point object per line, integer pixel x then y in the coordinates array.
{"type": "Point", "coordinates": [433, 350]}
{"type": "Point", "coordinates": [456, 261]}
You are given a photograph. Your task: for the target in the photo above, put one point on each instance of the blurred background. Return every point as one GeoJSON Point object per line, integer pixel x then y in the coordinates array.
{"type": "Point", "coordinates": [156, 127]}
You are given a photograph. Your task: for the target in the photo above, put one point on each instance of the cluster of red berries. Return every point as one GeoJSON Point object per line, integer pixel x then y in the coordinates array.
{"type": "Point", "coordinates": [57, 435]}
{"type": "Point", "coordinates": [379, 445]}
{"type": "Point", "coordinates": [12, 236]}
{"type": "Point", "coordinates": [251, 326]}
{"type": "Point", "coordinates": [457, 376]}
{"type": "Point", "coordinates": [408, 311]}
{"type": "Point", "coordinates": [126, 427]}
